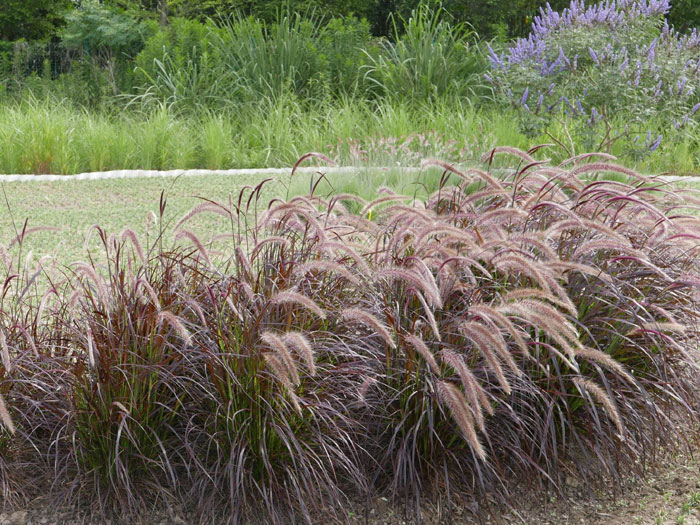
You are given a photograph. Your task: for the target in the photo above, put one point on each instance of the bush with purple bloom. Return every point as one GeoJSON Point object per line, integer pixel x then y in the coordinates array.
{"type": "Point", "coordinates": [611, 59]}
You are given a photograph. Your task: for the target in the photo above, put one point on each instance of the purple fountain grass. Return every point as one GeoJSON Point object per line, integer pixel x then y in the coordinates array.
{"type": "Point", "coordinates": [515, 322]}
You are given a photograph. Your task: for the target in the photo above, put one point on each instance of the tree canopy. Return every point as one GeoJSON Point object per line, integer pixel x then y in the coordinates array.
{"type": "Point", "coordinates": [31, 19]}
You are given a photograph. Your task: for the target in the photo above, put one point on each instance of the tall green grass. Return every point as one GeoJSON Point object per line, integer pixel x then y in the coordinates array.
{"type": "Point", "coordinates": [48, 135]}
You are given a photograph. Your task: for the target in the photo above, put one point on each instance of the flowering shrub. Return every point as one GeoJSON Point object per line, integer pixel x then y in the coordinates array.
{"type": "Point", "coordinates": [592, 63]}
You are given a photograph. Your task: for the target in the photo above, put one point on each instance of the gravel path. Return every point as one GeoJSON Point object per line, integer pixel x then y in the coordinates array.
{"type": "Point", "coordinates": [135, 174]}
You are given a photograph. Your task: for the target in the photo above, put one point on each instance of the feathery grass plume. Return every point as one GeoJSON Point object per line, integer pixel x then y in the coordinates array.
{"type": "Point", "coordinates": [92, 361]}
{"type": "Point", "coordinates": [508, 150]}
{"type": "Point", "coordinates": [5, 257]}
{"type": "Point", "coordinates": [234, 310]}
{"type": "Point", "coordinates": [415, 280]}
{"type": "Point", "coordinates": [404, 214]}
{"type": "Point", "coordinates": [273, 239]}
{"type": "Point", "coordinates": [427, 274]}
{"type": "Point", "coordinates": [130, 234]}
{"type": "Point", "coordinates": [174, 321]}
{"type": "Point", "coordinates": [90, 272]}
{"type": "Point", "coordinates": [5, 416]}
{"type": "Point", "coordinates": [549, 327]}
{"type": "Point", "coordinates": [473, 390]}
{"type": "Point", "coordinates": [209, 207]}
{"type": "Point", "coordinates": [280, 372]}
{"type": "Point", "coordinates": [381, 200]}
{"type": "Point", "coordinates": [601, 396]}
{"type": "Point", "coordinates": [29, 338]}
{"type": "Point", "coordinates": [519, 264]}
{"type": "Point", "coordinates": [43, 302]}
{"type": "Point", "coordinates": [458, 407]}
{"type": "Point", "coordinates": [419, 345]}
{"type": "Point", "coordinates": [452, 234]}
{"type": "Point", "coordinates": [659, 327]}
{"type": "Point", "coordinates": [294, 297]}
{"type": "Point", "coordinates": [536, 242]}
{"type": "Point", "coordinates": [600, 245]}
{"type": "Point", "coordinates": [585, 156]}
{"type": "Point", "coordinates": [485, 348]}
{"type": "Point", "coordinates": [301, 344]}
{"type": "Point", "coordinates": [196, 308]}
{"type": "Point", "coordinates": [529, 293]}
{"type": "Point", "coordinates": [6, 361]}
{"type": "Point", "coordinates": [605, 360]}
{"type": "Point", "coordinates": [320, 265]}
{"type": "Point", "coordinates": [574, 219]}
{"type": "Point", "coordinates": [546, 311]}
{"type": "Point", "coordinates": [244, 262]}
{"type": "Point", "coordinates": [357, 315]}
{"type": "Point", "coordinates": [494, 317]}
{"type": "Point", "coordinates": [277, 344]}
{"type": "Point", "coordinates": [143, 283]}
{"type": "Point", "coordinates": [367, 383]}
{"type": "Point", "coordinates": [151, 219]}
{"type": "Point", "coordinates": [186, 234]}
{"type": "Point", "coordinates": [500, 217]}
{"type": "Point", "coordinates": [429, 314]}
{"type": "Point", "coordinates": [294, 209]}
{"type": "Point", "coordinates": [491, 181]}
{"type": "Point", "coordinates": [597, 167]}
{"type": "Point", "coordinates": [496, 339]}
{"type": "Point", "coordinates": [345, 246]}
{"type": "Point", "coordinates": [19, 238]}
{"type": "Point", "coordinates": [565, 266]}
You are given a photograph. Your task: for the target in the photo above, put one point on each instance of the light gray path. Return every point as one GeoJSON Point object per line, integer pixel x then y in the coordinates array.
{"type": "Point", "coordinates": [135, 174]}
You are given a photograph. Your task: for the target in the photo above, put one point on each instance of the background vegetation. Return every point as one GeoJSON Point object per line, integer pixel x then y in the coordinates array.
{"type": "Point", "coordinates": [228, 84]}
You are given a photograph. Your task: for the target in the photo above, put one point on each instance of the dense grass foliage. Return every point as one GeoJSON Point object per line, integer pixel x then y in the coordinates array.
{"type": "Point", "coordinates": [54, 136]}
{"type": "Point", "coordinates": [523, 318]}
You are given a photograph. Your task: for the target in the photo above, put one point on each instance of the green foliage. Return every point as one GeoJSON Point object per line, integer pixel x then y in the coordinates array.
{"type": "Point", "coordinates": [98, 30]}
{"type": "Point", "coordinates": [345, 48]}
{"type": "Point", "coordinates": [684, 14]}
{"type": "Point", "coordinates": [31, 19]}
{"type": "Point", "coordinates": [179, 66]}
{"type": "Point", "coordinates": [200, 65]}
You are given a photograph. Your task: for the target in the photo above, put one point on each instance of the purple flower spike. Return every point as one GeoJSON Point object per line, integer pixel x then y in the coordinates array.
{"type": "Point", "coordinates": [523, 101]}
{"type": "Point", "coordinates": [593, 55]}
{"type": "Point", "coordinates": [656, 143]}
{"type": "Point", "coordinates": [496, 61]}
{"type": "Point", "coordinates": [541, 100]}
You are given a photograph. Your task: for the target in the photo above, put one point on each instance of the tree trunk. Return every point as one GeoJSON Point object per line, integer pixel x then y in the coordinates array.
{"type": "Point", "coordinates": [163, 8]}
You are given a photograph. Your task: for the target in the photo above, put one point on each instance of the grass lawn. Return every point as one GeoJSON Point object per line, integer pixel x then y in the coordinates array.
{"type": "Point", "coordinates": [74, 206]}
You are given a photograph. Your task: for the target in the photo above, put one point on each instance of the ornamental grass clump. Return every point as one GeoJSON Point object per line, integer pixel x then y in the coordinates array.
{"type": "Point", "coordinates": [531, 323]}
{"type": "Point", "coordinates": [269, 437]}
{"type": "Point", "coordinates": [617, 69]}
